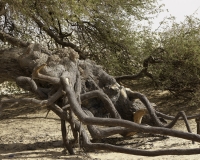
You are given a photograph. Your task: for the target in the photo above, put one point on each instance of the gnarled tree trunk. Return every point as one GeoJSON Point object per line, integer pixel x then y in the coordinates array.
{"type": "Point", "coordinates": [71, 88]}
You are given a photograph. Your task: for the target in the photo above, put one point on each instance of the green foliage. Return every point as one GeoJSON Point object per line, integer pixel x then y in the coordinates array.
{"type": "Point", "coordinates": [109, 32]}
{"type": "Point", "coordinates": [106, 31]}
{"type": "Point", "coordinates": [179, 71]}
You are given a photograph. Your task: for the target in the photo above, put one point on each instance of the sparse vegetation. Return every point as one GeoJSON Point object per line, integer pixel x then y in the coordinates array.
{"type": "Point", "coordinates": [50, 46]}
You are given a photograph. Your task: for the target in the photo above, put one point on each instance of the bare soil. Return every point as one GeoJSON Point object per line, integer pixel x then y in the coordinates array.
{"type": "Point", "coordinates": [25, 133]}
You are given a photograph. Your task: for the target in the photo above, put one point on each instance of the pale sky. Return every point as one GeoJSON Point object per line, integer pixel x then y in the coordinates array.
{"type": "Point", "coordinates": [178, 9]}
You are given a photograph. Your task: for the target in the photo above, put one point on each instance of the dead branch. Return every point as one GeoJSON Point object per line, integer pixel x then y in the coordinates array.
{"type": "Point", "coordinates": [143, 73]}
{"type": "Point", "coordinates": [168, 117]}
{"type": "Point", "coordinates": [101, 146]}
{"type": "Point", "coordinates": [107, 102]}
{"type": "Point", "coordinates": [55, 37]}
{"type": "Point", "coordinates": [152, 112]}
{"type": "Point", "coordinates": [116, 122]}
{"type": "Point", "coordinates": [65, 93]}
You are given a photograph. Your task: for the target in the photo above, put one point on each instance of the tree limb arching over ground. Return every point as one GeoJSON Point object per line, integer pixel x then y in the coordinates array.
{"type": "Point", "coordinates": [72, 88]}
{"type": "Point", "coordinates": [79, 91]}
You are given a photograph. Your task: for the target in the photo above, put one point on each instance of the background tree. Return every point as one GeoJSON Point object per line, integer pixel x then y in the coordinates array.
{"type": "Point", "coordinates": [73, 87]}
{"type": "Point", "coordinates": [177, 57]}
{"type": "Point", "coordinates": [95, 29]}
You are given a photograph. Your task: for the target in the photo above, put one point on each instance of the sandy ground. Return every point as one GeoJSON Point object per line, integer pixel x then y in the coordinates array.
{"type": "Point", "coordinates": [31, 136]}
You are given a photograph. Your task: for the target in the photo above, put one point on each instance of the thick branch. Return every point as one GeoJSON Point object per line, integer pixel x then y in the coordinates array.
{"type": "Point", "coordinates": [76, 108]}
{"type": "Point", "coordinates": [172, 117]}
{"type": "Point", "coordinates": [106, 100]}
{"type": "Point", "coordinates": [65, 138]}
{"type": "Point", "coordinates": [30, 85]}
{"type": "Point", "coordinates": [88, 145]}
{"type": "Point", "coordinates": [152, 112]}
{"type": "Point", "coordinates": [144, 72]}
{"type": "Point", "coordinates": [55, 37]}
{"type": "Point", "coordinates": [37, 75]}
{"type": "Point", "coordinates": [100, 146]}
{"type": "Point", "coordinates": [139, 75]}
{"type": "Point", "coordinates": [47, 102]}
{"type": "Point", "coordinates": [99, 133]}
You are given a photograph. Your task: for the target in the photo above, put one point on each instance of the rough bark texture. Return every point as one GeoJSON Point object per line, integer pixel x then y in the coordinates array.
{"type": "Point", "coordinates": [82, 94]}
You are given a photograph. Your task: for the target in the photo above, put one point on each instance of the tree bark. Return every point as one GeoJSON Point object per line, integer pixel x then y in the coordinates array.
{"type": "Point", "coordinates": [72, 87]}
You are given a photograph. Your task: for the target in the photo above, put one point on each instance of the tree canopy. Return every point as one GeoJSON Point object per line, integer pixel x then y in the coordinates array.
{"type": "Point", "coordinates": [94, 28]}
{"type": "Point", "coordinates": [49, 44]}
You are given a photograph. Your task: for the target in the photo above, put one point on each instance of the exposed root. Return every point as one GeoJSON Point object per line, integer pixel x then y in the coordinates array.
{"type": "Point", "coordinates": [65, 95]}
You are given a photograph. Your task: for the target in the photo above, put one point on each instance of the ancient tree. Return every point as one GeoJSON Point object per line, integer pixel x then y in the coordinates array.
{"type": "Point", "coordinates": [78, 90]}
